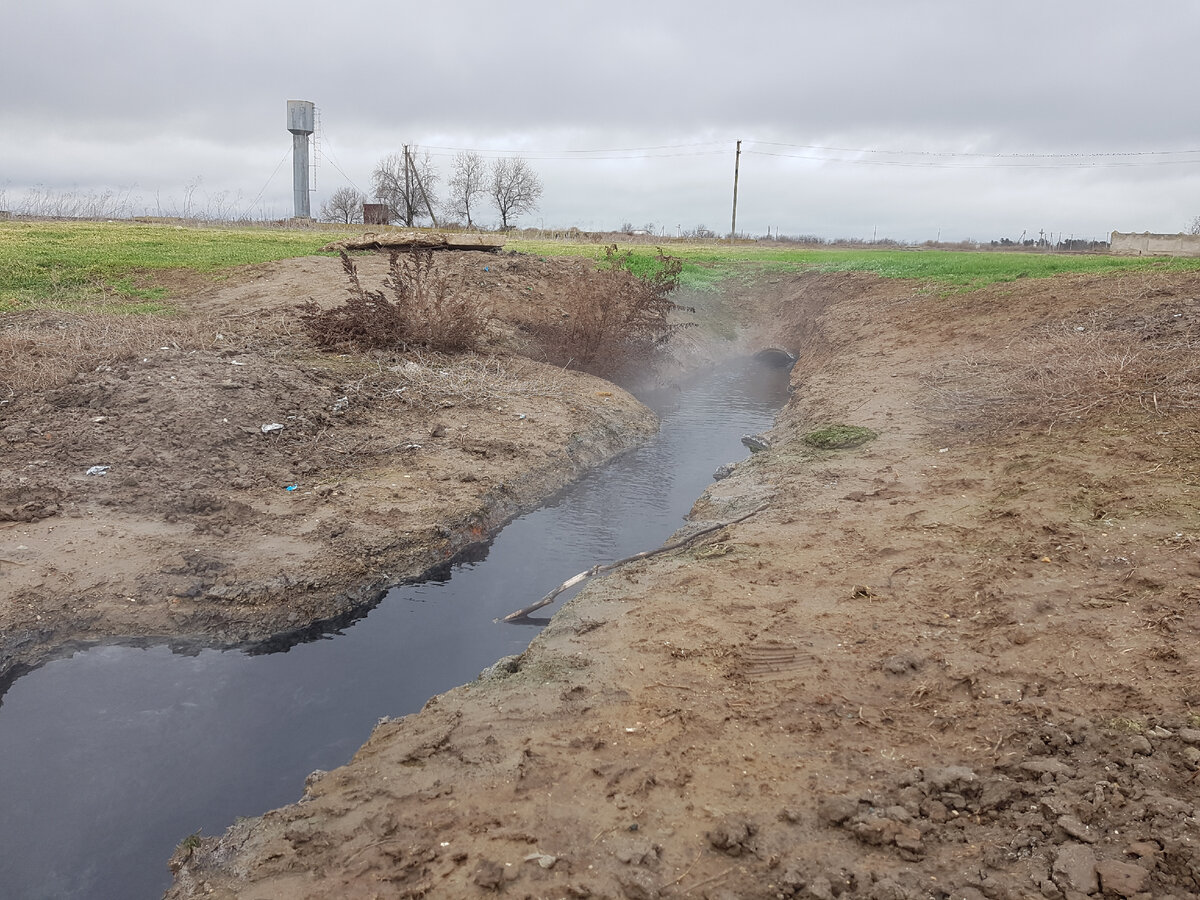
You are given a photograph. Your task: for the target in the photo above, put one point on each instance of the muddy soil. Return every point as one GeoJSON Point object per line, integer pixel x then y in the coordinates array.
{"type": "Point", "coordinates": [959, 660]}
{"type": "Point", "coordinates": [250, 485]}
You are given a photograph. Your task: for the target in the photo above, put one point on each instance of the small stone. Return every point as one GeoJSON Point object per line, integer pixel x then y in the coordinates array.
{"type": "Point", "coordinates": [1191, 755]}
{"type": "Point", "coordinates": [756, 443]}
{"type": "Point", "coordinates": [935, 811]}
{"type": "Point", "coordinates": [1077, 829]}
{"type": "Point", "coordinates": [1189, 735]}
{"type": "Point", "coordinates": [1121, 878]}
{"type": "Point", "coordinates": [950, 778]}
{"type": "Point", "coordinates": [732, 836]}
{"type": "Point", "coordinates": [901, 664]}
{"type": "Point", "coordinates": [724, 471]}
{"type": "Point", "coordinates": [879, 832]}
{"type": "Point", "coordinates": [1075, 869]}
{"type": "Point", "coordinates": [820, 888]}
{"type": "Point", "coordinates": [638, 884]}
{"type": "Point", "coordinates": [1047, 767]}
{"type": "Point", "coordinates": [1144, 850]}
{"type": "Point", "coordinates": [488, 875]}
{"type": "Point", "coordinates": [1141, 745]}
{"type": "Point", "coordinates": [638, 853]}
{"type": "Point", "coordinates": [836, 810]}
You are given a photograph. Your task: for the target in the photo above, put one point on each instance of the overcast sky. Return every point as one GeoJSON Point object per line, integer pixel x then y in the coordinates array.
{"type": "Point", "coordinates": [908, 120]}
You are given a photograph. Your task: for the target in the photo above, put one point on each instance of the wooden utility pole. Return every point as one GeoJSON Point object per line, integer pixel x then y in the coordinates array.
{"type": "Point", "coordinates": [425, 194]}
{"type": "Point", "coordinates": [408, 204]}
{"type": "Point", "coordinates": [737, 162]}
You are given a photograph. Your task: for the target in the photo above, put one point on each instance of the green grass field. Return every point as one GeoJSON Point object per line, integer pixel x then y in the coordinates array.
{"type": "Point", "coordinates": [111, 265]}
{"type": "Point", "coordinates": [82, 264]}
{"type": "Point", "coordinates": [707, 265]}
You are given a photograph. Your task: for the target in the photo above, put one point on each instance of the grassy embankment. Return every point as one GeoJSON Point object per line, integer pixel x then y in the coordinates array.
{"type": "Point", "coordinates": [125, 267]}
{"type": "Point", "coordinates": [112, 267]}
{"type": "Point", "coordinates": [707, 265]}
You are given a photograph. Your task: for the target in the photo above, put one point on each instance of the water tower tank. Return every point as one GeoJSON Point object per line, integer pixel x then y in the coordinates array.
{"type": "Point", "coordinates": [300, 116]}
{"type": "Point", "coordinates": [300, 124]}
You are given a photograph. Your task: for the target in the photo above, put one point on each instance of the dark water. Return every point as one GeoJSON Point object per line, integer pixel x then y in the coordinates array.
{"type": "Point", "coordinates": [110, 757]}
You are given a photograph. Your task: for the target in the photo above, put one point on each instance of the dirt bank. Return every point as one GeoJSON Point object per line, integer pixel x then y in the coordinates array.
{"type": "Point", "coordinates": [251, 485]}
{"type": "Point", "coordinates": [959, 660]}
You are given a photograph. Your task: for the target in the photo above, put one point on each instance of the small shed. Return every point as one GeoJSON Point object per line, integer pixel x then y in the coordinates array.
{"type": "Point", "coordinates": [375, 214]}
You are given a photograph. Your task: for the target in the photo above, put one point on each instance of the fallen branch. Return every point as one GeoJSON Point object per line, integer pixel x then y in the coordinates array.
{"type": "Point", "coordinates": [599, 569]}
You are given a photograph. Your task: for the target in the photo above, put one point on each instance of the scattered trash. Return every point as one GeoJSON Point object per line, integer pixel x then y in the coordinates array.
{"type": "Point", "coordinates": [234, 362]}
{"type": "Point", "coordinates": [411, 447]}
{"type": "Point", "coordinates": [291, 487]}
{"type": "Point", "coordinates": [98, 470]}
{"type": "Point", "coordinates": [545, 860]}
{"type": "Point", "coordinates": [340, 404]}
{"type": "Point", "coordinates": [520, 415]}
{"type": "Point", "coordinates": [605, 394]}
{"type": "Point", "coordinates": [272, 428]}
{"type": "Point", "coordinates": [99, 419]}
{"type": "Point", "coordinates": [486, 269]}
{"type": "Point", "coordinates": [944, 450]}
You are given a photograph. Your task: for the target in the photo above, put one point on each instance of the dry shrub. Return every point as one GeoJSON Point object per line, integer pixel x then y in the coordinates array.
{"type": "Point", "coordinates": [44, 354]}
{"type": "Point", "coordinates": [618, 321]}
{"type": "Point", "coordinates": [435, 380]}
{"type": "Point", "coordinates": [414, 308]}
{"type": "Point", "coordinates": [1066, 374]}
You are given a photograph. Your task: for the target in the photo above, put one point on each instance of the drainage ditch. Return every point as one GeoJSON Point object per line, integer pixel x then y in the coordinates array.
{"type": "Point", "coordinates": [111, 757]}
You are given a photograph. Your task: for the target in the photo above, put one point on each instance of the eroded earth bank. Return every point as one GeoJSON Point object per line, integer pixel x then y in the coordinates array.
{"type": "Point", "coordinates": [958, 660]}
{"type": "Point", "coordinates": [213, 478]}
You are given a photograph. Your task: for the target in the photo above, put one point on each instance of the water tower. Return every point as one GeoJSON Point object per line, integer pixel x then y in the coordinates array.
{"type": "Point", "coordinates": [300, 124]}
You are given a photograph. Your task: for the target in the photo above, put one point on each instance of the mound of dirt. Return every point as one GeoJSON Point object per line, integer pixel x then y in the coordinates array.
{"type": "Point", "coordinates": [213, 477]}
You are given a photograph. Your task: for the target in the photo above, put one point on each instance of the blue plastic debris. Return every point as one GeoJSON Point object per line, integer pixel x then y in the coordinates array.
{"type": "Point", "coordinates": [291, 487]}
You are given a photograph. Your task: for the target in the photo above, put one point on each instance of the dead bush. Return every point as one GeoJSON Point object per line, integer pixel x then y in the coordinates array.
{"type": "Point", "coordinates": [41, 353]}
{"type": "Point", "coordinates": [1065, 375]}
{"type": "Point", "coordinates": [413, 308]}
{"type": "Point", "coordinates": [618, 321]}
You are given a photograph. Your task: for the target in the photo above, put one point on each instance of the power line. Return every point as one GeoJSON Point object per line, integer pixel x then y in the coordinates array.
{"type": "Point", "coordinates": [933, 164]}
{"type": "Point", "coordinates": [955, 153]}
{"type": "Point", "coordinates": [282, 160]}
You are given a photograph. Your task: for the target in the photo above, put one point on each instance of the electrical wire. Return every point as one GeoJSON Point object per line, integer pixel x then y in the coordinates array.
{"type": "Point", "coordinates": [993, 165]}
{"type": "Point", "coordinates": [955, 153]}
{"type": "Point", "coordinates": [282, 160]}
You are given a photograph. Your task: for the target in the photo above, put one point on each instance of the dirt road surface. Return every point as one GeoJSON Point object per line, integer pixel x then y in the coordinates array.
{"type": "Point", "coordinates": [959, 660]}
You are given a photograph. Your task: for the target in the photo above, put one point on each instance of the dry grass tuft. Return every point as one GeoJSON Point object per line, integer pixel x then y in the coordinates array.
{"type": "Point", "coordinates": [1111, 364]}
{"type": "Point", "coordinates": [45, 352]}
{"type": "Point", "coordinates": [432, 380]}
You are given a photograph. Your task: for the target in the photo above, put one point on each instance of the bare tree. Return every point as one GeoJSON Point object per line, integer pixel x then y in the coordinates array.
{"type": "Point", "coordinates": [1194, 226]}
{"type": "Point", "coordinates": [515, 188]}
{"type": "Point", "coordinates": [468, 183]}
{"type": "Point", "coordinates": [405, 182]}
{"type": "Point", "coordinates": [345, 205]}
